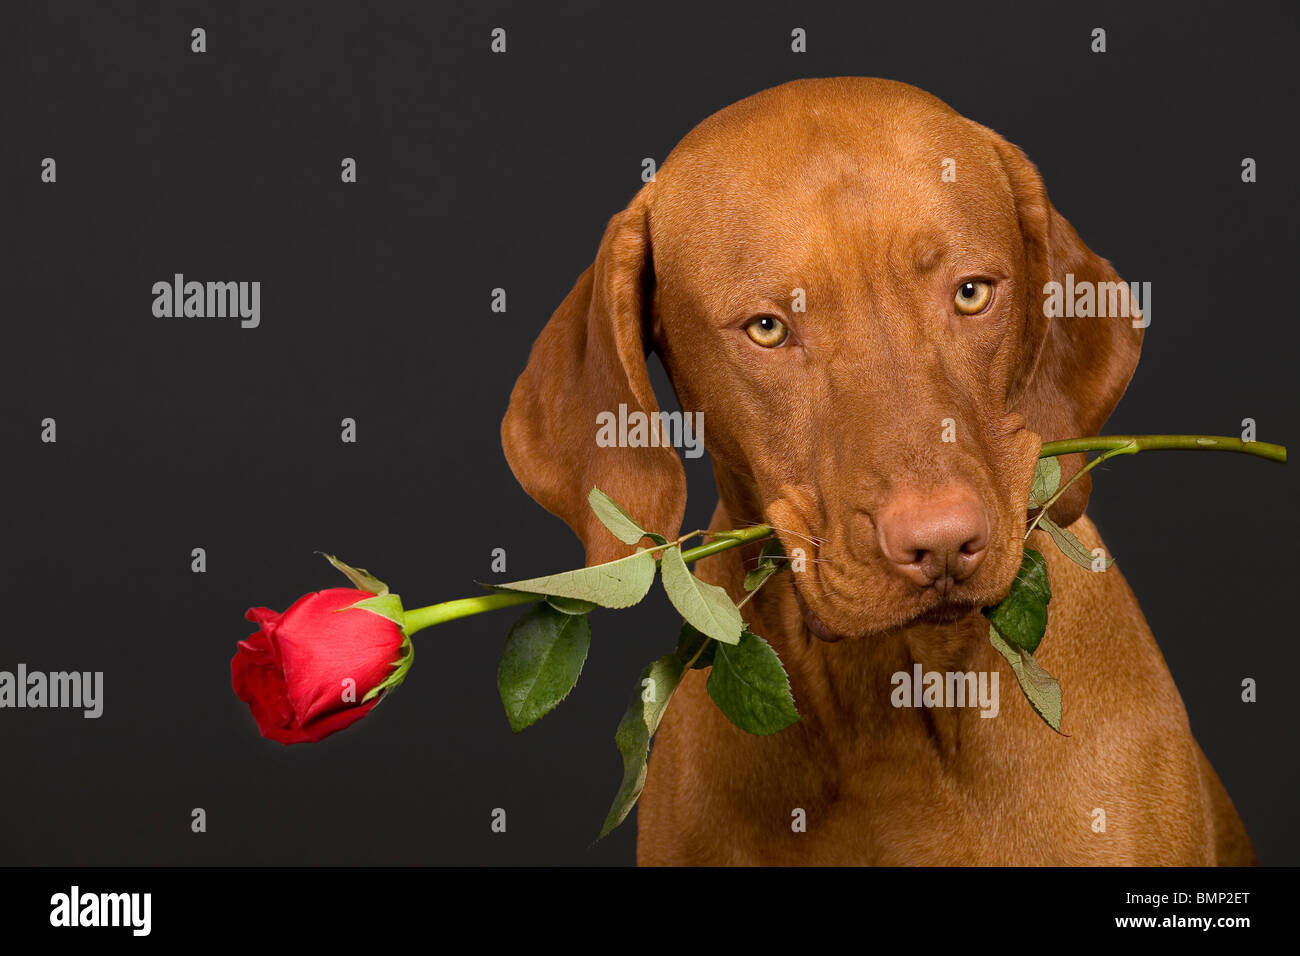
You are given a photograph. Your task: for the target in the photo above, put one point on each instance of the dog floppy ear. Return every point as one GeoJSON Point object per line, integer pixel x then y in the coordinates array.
{"type": "Point", "coordinates": [1073, 369]}
{"type": "Point", "coordinates": [589, 360]}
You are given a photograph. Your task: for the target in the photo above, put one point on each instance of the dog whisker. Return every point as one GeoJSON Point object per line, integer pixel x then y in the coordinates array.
{"type": "Point", "coordinates": [795, 534]}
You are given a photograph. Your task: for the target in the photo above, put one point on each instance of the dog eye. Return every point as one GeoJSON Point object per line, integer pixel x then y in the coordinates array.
{"type": "Point", "coordinates": [767, 331]}
{"type": "Point", "coordinates": [973, 297]}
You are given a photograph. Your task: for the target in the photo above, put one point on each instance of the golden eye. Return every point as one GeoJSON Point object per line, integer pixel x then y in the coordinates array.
{"type": "Point", "coordinates": [973, 297]}
{"type": "Point", "coordinates": [767, 331]}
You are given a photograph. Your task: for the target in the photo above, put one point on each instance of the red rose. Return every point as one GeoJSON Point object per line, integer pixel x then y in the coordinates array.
{"type": "Point", "coordinates": [292, 672]}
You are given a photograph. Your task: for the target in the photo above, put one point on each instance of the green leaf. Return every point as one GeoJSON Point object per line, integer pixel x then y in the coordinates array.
{"type": "Point", "coordinates": [405, 658]}
{"type": "Point", "coordinates": [768, 565]}
{"type": "Point", "coordinates": [1069, 545]}
{"type": "Point", "coordinates": [540, 662]}
{"type": "Point", "coordinates": [361, 578]}
{"type": "Point", "coordinates": [570, 605]}
{"type": "Point", "coordinates": [705, 606]}
{"type": "Point", "coordinates": [688, 643]}
{"type": "Point", "coordinates": [1039, 687]}
{"type": "Point", "coordinates": [1021, 617]}
{"type": "Point", "coordinates": [635, 730]}
{"type": "Point", "coordinates": [620, 583]}
{"type": "Point", "coordinates": [750, 686]}
{"type": "Point", "coordinates": [1047, 479]}
{"type": "Point", "coordinates": [612, 516]}
{"type": "Point", "coordinates": [386, 605]}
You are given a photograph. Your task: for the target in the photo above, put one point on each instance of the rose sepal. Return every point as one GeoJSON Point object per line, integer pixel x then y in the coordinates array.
{"type": "Point", "coordinates": [405, 657]}
{"type": "Point", "coordinates": [361, 579]}
{"type": "Point", "coordinates": [387, 605]}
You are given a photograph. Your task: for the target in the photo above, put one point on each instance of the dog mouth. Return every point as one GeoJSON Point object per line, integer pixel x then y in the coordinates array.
{"type": "Point", "coordinates": [814, 623]}
{"type": "Point", "coordinates": [941, 611]}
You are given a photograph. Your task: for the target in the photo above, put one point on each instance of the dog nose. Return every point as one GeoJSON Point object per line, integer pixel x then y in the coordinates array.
{"type": "Point", "coordinates": [934, 540]}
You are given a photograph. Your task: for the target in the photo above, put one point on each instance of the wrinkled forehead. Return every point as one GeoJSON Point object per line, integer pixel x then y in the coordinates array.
{"type": "Point", "coordinates": [783, 193]}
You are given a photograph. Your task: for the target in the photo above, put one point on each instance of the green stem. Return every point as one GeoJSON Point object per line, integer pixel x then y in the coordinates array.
{"type": "Point", "coordinates": [1069, 446]}
{"type": "Point", "coordinates": [419, 618]}
{"type": "Point", "coordinates": [422, 617]}
{"type": "Point", "coordinates": [722, 540]}
{"type": "Point", "coordinates": [1127, 449]}
{"type": "Point", "coordinates": [1112, 445]}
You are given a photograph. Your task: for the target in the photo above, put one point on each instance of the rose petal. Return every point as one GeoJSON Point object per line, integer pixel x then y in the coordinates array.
{"type": "Point", "coordinates": [321, 645]}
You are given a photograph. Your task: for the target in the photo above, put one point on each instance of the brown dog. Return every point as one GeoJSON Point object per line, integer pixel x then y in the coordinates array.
{"type": "Point", "coordinates": [920, 310]}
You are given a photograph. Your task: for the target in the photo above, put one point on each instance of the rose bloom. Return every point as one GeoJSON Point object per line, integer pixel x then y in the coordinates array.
{"type": "Point", "coordinates": [291, 673]}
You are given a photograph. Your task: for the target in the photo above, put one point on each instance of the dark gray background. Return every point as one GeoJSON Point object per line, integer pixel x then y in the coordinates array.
{"type": "Point", "coordinates": [477, 171]}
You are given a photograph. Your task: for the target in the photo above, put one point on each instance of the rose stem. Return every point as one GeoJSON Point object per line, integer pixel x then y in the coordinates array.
{"type": "Point", "coordinates": [420, 618]}
{"type": "Point", "coordinates": [423, 617]}
{"type": "Point", "coordinates": [1068, 446]}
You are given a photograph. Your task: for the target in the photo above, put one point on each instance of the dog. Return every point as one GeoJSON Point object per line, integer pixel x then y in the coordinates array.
{"type": "Point", "coordinates": [834, 272]}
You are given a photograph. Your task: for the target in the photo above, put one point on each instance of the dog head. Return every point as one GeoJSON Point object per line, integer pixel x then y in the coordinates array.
{"type": "Point", "coordinates": [847, 279]}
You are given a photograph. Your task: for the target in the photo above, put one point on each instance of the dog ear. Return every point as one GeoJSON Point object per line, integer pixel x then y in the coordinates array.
{"type": "Point", "coordinates": [589, 360]}
{"type": "Point", "coordinates": [1073, 370]}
